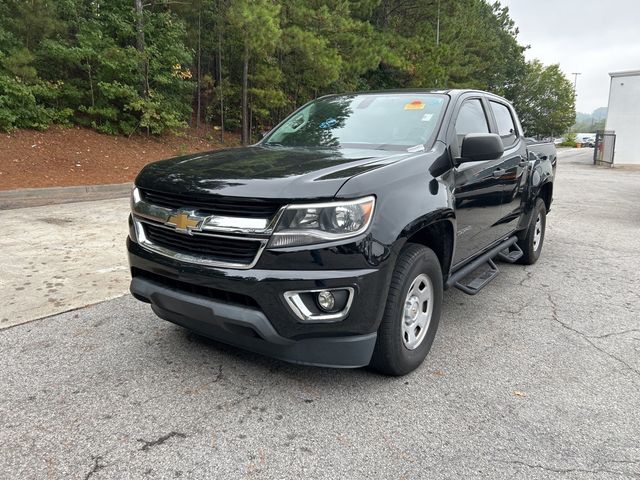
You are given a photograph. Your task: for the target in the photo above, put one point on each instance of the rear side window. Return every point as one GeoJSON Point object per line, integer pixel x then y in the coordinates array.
{"type": "Point", "coordinates": [504, 121]}
{"type": "Point", "coordinates": [471, 119]}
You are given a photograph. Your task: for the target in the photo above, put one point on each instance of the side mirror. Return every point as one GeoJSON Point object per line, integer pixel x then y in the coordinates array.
{"type": "Point", "coordinates": [480, 146]}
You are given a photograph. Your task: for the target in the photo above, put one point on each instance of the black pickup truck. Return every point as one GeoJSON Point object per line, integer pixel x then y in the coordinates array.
{"type": "Point", "coordinates": [330, 241]}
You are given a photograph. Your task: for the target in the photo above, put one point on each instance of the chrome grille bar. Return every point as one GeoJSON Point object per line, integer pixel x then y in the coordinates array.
{"type": "Point", "coordinates": [203, 226]}
{"type": "Point", "coordinates": [213, 223]}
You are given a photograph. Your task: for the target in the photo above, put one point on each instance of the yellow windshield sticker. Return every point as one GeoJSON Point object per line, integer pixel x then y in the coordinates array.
{"type": "Point", "coordinates": [415, 105]}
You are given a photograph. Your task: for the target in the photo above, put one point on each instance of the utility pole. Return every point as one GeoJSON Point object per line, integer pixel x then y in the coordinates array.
{"type": "Point", "coordinates": [575, 80]}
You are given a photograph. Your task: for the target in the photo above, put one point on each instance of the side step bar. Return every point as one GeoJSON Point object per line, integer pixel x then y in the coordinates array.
{"type": "Point", "coordinates": [483, 279]}
{"type": "Point", "coordinates": [511, 256]}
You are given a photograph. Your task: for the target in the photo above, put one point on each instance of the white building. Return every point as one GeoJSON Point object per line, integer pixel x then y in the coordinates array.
{"type": "Point", "coordinates": [623, 116]}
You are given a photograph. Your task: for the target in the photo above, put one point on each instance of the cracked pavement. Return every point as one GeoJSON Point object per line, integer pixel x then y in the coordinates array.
{"type": "Point", "coordinates": [538, 376]}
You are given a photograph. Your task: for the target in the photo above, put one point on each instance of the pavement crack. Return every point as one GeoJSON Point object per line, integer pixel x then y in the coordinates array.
{"type": "Point", "coordinates": [518, 311]}
{"type": "Point", "coordinates": [159, 441]}
{"type": "Point", "coordinates": [97, 466]}
{"type": "Point", "coordinates": [242, 398]}
{"type": "Point", "coordinates": [611, 334]}
{"type": "Point", "coordinates": [219, 376]}
{"type": "Point", "coordinates": [633, 462]}
{"type": "Point", "coordinates": [529, 274]}
{"type": "Point", "coordinates": [587, 338]}
{"type": "Point", "coordinates": [560, 470]}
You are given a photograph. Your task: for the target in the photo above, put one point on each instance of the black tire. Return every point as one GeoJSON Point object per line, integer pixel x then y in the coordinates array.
{"type": "Point", "coordinates": [527, 242]}
{"type": "Point", "coordinates": [391, 356]}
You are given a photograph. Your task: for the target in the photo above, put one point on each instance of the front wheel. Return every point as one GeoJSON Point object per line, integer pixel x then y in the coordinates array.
{"type": "Point", "coordinates": [531, 243]}
{"type": "Point", "coordinates": [412, 312]}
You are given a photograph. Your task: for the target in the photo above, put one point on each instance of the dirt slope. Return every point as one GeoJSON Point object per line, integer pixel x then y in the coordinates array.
{"type": "Point", "coordinates": [62, 157]}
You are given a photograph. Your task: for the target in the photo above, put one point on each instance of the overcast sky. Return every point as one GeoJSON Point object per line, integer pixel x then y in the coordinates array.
{"type": "Point", "coordinates": [593, 37]}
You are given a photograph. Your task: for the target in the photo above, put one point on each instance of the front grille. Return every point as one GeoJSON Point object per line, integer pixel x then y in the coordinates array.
{"type": "Point", "coordinates": [209, 292]}
{"type": "Point", "coordinates": [215, 205]}
{"type": "Point", "coordinates": [214, 248]}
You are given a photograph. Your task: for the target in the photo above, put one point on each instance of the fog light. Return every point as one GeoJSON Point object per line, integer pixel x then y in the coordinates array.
{"type": "Point", "coordinates": [326, 300]}
{"type": "Point", "coordinates": [320, 306]}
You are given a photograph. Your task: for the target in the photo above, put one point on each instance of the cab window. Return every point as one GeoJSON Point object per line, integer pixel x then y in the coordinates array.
{"type": "Point", "coordinates": [504, 121]}
{"type": "Point", "coordinates": [471, 119]}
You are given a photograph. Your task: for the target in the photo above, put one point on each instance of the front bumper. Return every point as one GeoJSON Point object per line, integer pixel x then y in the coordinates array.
{"type": "Point", "coordinates": [256, 316]}
{"type": "Point", "coordinates": [248, 328]}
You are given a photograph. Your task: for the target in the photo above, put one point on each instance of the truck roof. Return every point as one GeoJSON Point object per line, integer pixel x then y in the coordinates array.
{"type": "Point", "coordinates": [452, 92]}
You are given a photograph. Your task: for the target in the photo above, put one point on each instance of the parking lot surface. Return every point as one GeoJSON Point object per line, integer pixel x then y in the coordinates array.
{"type": "Point", "coordinates": [59, 257]}
{"type": "Point", "coordinates": [535, 377]}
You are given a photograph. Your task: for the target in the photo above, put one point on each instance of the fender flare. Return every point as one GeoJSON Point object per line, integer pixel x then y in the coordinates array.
{"type": "Point", "coordinates": [441, 218]}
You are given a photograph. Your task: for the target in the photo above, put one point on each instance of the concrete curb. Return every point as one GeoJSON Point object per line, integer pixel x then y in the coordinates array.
{"type": "Point", "coordinates": [34, 197]}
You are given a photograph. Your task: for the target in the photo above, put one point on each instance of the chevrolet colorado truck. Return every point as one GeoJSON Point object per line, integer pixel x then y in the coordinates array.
{"type": "Point", "coordinates": [331, 240]}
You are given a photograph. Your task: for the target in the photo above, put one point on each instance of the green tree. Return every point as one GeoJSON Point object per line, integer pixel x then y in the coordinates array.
{"type": "Point", "coordinates": [121, 66]}
{"type": "Point", "coordinates": [81, 60]}
{"type": "Point", "coordinates": [258, 27]}
{"type": "Point", "coordinates": [544, 99]}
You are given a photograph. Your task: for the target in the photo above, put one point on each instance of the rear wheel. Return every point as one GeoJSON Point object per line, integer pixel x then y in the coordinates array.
{"type": "Point", "coordinates": [412, 312]}
{"type": "Point", "coordinates": [531, 243]}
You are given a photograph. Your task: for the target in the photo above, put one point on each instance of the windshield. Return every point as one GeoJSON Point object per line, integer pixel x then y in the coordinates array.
{"type": "Point", "coordinates": [381, 121]}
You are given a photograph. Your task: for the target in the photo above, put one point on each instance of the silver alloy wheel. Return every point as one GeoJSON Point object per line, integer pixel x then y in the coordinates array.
{"type": "Point", "coordinates": [417, 311]}
{"type": "Point", "coordinates": [537, 233]}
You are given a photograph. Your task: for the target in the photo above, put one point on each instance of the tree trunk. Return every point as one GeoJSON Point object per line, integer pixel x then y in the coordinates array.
{"type": "Point", "coordinates": [220, 87]}
{"type": "Point", "coordinates": [93, 100]}
{"type": "Point", "coordinates": [140, 45]}
{"type": "Point", "coordinates": [220, 75]}
{"type": "Point", "coordinates": [250, 120]}
{"type": "Point", "coordinates": [199, 69]}
{"type": "Point", "coordinates": [245, 89]}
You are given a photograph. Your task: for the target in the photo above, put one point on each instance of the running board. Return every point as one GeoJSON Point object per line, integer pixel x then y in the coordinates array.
{"type": "Point", "coordinates": [511, 256]}
{"type": "Point", "coordinates": [483, 279]}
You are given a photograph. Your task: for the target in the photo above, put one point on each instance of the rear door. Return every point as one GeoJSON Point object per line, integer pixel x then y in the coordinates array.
{"type": "Point", "coordinates": [477, 190]}
{"type": "Point", "coordinates": [512, 166]}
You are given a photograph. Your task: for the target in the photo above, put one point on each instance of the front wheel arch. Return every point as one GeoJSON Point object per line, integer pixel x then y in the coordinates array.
{"type": "Point", "coordinates": [439, 237]}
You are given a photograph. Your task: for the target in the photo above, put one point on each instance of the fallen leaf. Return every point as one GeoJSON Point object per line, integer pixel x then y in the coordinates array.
{"type": "Point", "coordinates": [518, 393]}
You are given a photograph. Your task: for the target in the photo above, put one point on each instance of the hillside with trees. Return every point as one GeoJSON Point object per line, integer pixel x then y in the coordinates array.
{"type": "Point", "coordinates": [152, 66]}
{"type": "Point", "coordinates": [590, 122]}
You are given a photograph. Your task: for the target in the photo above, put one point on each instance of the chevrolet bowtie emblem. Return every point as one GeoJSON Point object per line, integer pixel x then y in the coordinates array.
{"type": "Point", "coordinates": [184, 221]}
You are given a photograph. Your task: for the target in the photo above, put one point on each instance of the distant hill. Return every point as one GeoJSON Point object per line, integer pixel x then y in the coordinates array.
{"type": "Point", "coordinates": [590, 122]}
{"type": "Point", "coordinates": [599, 114]}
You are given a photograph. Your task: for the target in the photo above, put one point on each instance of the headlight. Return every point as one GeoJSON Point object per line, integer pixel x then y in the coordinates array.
{"type": "Point", "coordinates": [322, 222]}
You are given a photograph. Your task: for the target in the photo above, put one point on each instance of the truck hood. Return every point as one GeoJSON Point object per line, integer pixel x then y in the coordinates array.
{"type": "Point", "coordinates": [264, 172]}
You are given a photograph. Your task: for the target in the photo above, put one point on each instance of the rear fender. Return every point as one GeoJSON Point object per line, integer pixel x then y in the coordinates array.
{"type": "Point", "coordinates": [540, 179]}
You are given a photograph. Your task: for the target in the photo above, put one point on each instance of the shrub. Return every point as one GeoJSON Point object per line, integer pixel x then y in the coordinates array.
{"type": "Point", "coordinates": [23, 106]}
{"type": "Point", "coordinates": [569, 141]}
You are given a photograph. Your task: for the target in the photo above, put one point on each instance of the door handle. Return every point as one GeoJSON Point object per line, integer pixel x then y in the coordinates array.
{"type": "Point", "coordinates": [498, 172]}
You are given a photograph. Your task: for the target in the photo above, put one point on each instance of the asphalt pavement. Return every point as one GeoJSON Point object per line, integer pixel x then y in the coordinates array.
{"type": "Point", "coordinates": [538, 376]}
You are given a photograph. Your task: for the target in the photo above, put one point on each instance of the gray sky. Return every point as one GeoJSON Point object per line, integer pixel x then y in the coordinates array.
{"type": "Point", "coordinates": [593, 37]}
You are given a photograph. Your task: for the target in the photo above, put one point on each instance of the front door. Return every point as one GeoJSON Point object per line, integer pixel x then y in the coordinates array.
{"type": "Point", "coordinates": [477, 188]}
{"type": "Point", "coordinates": [512, 166]}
